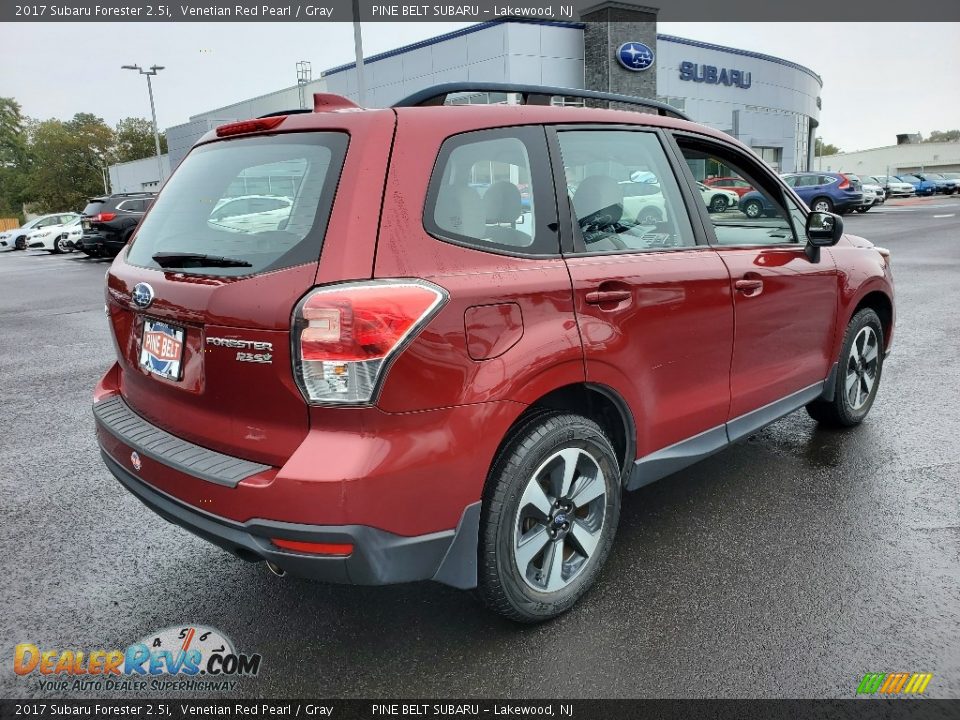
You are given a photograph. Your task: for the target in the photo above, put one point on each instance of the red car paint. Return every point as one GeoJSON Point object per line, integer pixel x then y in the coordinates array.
{"type": "Point", "coordinates": [682, 352]}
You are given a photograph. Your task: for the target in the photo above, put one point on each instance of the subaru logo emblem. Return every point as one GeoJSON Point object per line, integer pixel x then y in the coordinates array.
{"type": "Point", "coordinates": [135, 460]}
{"type": "Point", "coordinates": [635, 56]}
{"type": "Point", "coordinates": [142, 295]}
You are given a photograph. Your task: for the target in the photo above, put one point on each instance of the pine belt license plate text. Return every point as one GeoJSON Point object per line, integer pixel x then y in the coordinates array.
{"type": "Point", "coordinates": [161, 349]}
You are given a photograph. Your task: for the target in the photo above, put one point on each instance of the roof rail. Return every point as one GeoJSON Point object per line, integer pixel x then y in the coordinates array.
{"type": "Point", "coordinates": [531, 95]}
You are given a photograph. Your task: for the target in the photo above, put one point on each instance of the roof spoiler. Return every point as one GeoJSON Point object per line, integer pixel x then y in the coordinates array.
{"type": "Point", "coordinates": [531, 95]}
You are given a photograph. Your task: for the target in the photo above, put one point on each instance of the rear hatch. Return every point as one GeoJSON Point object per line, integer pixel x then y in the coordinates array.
{"type": "Point", "coordinates": [200, 303]}
{"type": "Point", "coordinates": [92, 211]}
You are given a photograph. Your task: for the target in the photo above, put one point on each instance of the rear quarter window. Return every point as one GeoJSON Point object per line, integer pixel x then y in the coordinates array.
{"type": "Point", "coordinates": [262, 200]}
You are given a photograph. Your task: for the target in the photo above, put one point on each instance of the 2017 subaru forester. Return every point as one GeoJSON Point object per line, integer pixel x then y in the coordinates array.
{"type": "Point", "coordinates": [393, 376]}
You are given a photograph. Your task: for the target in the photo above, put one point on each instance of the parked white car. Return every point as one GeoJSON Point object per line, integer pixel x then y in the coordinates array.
{"type": "Point", "coordinates": [717, 199]}
{"type": "Point", "coordinates": [251, 213]}
{"type": "Point", "coordinates": [893, 186]}
{"type": "Point", "coordinates": [56, 238]}
{"type": "Point", "coordinates": [16, 239]}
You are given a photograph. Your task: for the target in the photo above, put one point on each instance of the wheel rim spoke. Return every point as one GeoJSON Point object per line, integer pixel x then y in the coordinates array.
{"type": "Point", "coordinates": [553, 567]}
{"type": "Point", "coordinates": [570, 457]}
{"type": "Point", "coordinates": [535, 497]}
{"type": "Point", "coordinates": [529, 546]}
{"type": "Point", "coordinates": [588, 489]}
{"type": "Point", "coordinates": [585, 539]}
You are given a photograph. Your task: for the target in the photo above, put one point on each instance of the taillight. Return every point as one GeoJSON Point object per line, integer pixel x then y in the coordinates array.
{"type": "Point", "coordinates": [104, 217]}
{"type": "Point", "coordinates": [844, 184]}
{"type": "Point", "coordinates": [345, 335]}
{"type": "Point", "coordinates": [249, 126]}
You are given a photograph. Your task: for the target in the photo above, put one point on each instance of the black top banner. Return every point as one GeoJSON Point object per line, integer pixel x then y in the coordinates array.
{"type": "Point", "coordinates": [915, 709]}
{"type": "Point", "coordinates": [471, 10]}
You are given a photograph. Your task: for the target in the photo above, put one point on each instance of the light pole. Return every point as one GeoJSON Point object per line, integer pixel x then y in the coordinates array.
{"type": "Point", "coordinates": [154, 69]}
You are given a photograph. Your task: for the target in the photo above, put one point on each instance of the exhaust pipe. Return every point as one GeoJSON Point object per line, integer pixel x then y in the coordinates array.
{"type": "Point", "coordinates": [276, 569]}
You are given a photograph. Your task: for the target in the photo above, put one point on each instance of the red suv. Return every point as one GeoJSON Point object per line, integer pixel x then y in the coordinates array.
{"type": "Point", "coordinates": [401, 371]}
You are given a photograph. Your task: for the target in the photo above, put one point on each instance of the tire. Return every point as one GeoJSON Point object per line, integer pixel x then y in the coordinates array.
{"type": "Point", "coordinates": [20, 243]}
{"type": "Point", "coordinates": [58, 245]}
{"type": "Point", "coordinates": [753, 209]}
{"type": "Point", "coordinates": [863, 209]}
{"type": "Point", "coordinates": [854, 374]}
{"type": "Point", "coordinates": [517, 578]}
{"type": "Point", "coordinates": [821, 204]}
{"type": "Point", "coordinates": [718, 204]}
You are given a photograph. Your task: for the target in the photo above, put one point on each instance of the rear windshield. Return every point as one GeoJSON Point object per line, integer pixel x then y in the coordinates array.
{"type": "Point", "coordinates": [93, 207]}
{"type": "Point", "coordinates": [264, 201]}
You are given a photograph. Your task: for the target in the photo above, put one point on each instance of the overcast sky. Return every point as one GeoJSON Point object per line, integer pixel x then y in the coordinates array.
{"type": "Point", "coordinates": [879, 79]}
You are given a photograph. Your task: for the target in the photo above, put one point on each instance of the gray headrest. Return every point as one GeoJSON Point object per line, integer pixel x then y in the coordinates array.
{"type": "Point", "coordinates": [502, 202]}
{"type": "Point", "coordinates": [598, 201]}
{"type": "Point", "coordinates": [459, 209]}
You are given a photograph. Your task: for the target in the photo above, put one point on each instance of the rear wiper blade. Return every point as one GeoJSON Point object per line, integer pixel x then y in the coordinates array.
{"type": "Point", "coordinates": [187, 259]}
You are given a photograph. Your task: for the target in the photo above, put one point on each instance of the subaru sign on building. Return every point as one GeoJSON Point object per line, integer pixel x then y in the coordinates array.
{"type": "Point", "coordinates": [769, 103]}
{"type": "Point", "coordinates": [635, 56]}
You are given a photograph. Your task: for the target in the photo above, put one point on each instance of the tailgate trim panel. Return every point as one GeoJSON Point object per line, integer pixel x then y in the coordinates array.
{"type": "Point", "coordinates": [116, 417]}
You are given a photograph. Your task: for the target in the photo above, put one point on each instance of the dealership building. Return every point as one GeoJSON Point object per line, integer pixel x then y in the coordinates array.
{"type": "Point", "coordinates": [769, 103]}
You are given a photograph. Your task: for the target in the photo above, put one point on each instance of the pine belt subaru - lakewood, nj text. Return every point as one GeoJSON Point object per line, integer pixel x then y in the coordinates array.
{"type": "Point", "coordinates": [391, 376]}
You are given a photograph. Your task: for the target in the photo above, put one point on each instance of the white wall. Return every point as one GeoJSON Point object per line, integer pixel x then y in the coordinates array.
{"type": "Point", "coordinates": [936, 157]}
{"type": "Point", "coordinates": [138, 175]}
{"type": "Point", "coordinates": [506, 52]}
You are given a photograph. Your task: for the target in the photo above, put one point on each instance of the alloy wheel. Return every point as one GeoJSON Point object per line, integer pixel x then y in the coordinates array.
{"type": "Point", "coordinates": [862, 366]}
{"type": "Point", "coordinates": [559, 522]}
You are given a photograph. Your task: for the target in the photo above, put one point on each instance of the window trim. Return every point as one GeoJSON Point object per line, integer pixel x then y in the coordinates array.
{"type": "Point", "coordinates": [756, 164]}
{"type": "Point", "coordinates": [546, 208]}
{"type": "Point", "coordinates": [569, 239]}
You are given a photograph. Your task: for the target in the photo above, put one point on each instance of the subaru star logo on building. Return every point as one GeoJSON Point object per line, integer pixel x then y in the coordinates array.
{"type": "Point", "coordinates": [142, 295]}
{"type": "Point", "coordinates": [635, 56]}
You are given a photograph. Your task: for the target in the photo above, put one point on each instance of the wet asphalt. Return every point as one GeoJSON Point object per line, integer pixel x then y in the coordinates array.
{"type": "Point", "coordinates": [787, 566]}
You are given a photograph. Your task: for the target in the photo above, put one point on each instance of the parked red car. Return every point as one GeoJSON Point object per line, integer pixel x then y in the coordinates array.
{"type": "Point", "coordinates": [738, 185]}
{"type": "Point", "coordinates": [396, 378]}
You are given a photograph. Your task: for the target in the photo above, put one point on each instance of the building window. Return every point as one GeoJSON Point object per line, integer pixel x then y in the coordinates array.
{"type": "Point", "coordinates": [770, 155]}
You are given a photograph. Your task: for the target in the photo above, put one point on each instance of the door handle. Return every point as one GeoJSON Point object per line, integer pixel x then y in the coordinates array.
{"type": "Point", "coordinates": [598, 297]}
{"type": "Point", "coordinates": [750, 288]}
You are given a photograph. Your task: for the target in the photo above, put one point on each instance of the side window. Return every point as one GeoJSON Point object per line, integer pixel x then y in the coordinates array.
{"type": "Point", "coordinates": [826, 180]}
{"type": "Point", "coordinates": [790, 180]}
{"type": "Point", "coordinates": [623, 192]}
{"type": "Point", "coordinates": [761, 217]}
{"type": "Point", "coordinates": [492, 190]}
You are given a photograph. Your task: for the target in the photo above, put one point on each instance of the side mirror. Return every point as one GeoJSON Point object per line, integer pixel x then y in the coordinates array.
{"type": "Point", "coordinates": [823, 230]}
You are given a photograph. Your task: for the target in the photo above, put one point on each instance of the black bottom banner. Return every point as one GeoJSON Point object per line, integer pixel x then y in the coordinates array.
{"type": "Point", "coordinates": [501, 709]}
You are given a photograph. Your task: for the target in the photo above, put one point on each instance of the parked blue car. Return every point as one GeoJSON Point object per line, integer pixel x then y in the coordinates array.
{"type": "Point", "coordinates": [943, 185]}
{"type": "Point", "coordinates": [827, 191]}
{"type": "Point", "coordinates": [921, 186]}
{"type": "Point", "coordinates": [755, 205]}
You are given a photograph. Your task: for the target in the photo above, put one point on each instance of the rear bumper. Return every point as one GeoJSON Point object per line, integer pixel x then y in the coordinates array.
{"type": "Point", "coordinates": [378, 557]}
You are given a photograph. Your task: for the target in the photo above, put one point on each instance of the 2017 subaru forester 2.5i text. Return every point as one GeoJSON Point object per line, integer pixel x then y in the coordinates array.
{"type": "Point", "coordinates": [403, 372]}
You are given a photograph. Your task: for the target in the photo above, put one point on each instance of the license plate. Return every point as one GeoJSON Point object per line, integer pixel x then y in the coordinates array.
{"type": "Point", "coordinates": [85, 224]}
{"type": "Point", "coordinates": [161, 348]}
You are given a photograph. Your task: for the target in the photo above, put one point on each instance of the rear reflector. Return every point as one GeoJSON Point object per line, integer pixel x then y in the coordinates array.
{"type": "Point", "coordinates": [345, 335]}
{"type": "Point", "coordinates": [336, 549]}
{"type": "Point", "coordinates": [249, 126]}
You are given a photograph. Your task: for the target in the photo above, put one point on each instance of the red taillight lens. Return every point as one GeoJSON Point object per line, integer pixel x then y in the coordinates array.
{"type": "Point", "coordinates": [844, 184]}
{"type": "Point", "coordinates": [249, 126]}
{"type": "Point", "coordinates": [345, 335]}
{"type": "Point", "coordinates": [104, 217]}
{"type": "Point", "coordinates": [337, 549]}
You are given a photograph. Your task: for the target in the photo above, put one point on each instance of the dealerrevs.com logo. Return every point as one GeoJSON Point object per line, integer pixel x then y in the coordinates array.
{"type": "Point", "coordinates": [192, 658]}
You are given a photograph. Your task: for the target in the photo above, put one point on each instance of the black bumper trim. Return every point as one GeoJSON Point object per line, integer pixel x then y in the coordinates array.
{"type": "Point", "coordinates": [379, 557]}
{"type": "Point", "coordinates": [118, 419]}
